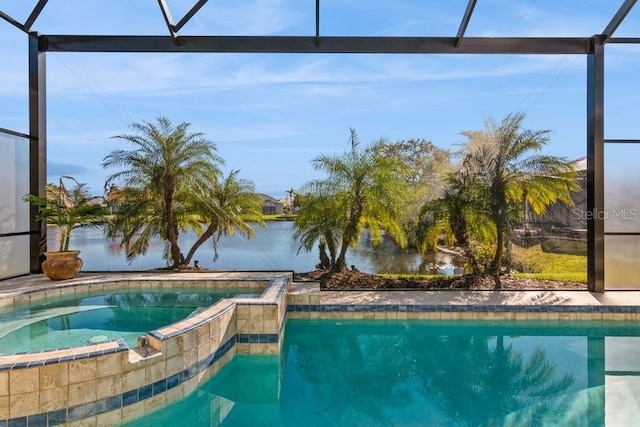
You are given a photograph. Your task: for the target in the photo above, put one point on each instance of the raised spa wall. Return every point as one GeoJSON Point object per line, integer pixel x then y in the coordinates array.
{"type": "Point", "coordinates": [108, 383]}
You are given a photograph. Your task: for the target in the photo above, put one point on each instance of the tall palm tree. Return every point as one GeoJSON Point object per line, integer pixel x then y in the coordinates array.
{"type": "Point", "coordinates": [500, 156]}
{"type": "Point", "coordinates": [369, 188]}
{"type": "Point", "coordinates": [291, 192]}
{"type": "Point", "coordinates": [165, 161]}
{"type": "Point", "coordinates": [225, 208]}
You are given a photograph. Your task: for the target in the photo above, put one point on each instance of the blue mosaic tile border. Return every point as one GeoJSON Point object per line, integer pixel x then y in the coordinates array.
{"type": "Point", "coordinates": [258, 338]}
{"type": "Point", "coordinates": [461, 308]}
{"type": "Point", "coordinates": [122, 346]}
{"type": "Point", "coordinates": [78, 412]}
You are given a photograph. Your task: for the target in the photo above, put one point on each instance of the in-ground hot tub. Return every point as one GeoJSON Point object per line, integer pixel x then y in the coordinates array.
{"type": "Point", "coordinates": [109, 382]}
{"type": "Point", "coordinates": [95, 316]}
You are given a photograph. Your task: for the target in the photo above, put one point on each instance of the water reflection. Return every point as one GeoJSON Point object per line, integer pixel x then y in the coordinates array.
{"type": "Point", "coordinates": [440, 375]}
{"type": "Point", "coordinates": [273, 248]}
{"type": "Point", "coordinates": [421, 373]}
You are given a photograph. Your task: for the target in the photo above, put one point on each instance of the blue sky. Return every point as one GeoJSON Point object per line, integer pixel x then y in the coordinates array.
{"type": "Point", "coordinates": [269, 115]}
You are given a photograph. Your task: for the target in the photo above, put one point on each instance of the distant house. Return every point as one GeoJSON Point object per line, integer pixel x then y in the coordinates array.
{"type": "Point", "coordinates": [271, 206]}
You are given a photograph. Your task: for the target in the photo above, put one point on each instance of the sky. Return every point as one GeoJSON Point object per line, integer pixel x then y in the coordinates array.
{"type": "Point", "coordinates": [271, 114]}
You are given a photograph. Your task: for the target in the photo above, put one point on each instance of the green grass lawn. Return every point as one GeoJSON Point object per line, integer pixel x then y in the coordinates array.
{"type": "Point", "coordinates": [538, 264]}
{"type": "Point", "coordinates": [549, 266]}
{"type": "Point", "coordinates": [279, 217]}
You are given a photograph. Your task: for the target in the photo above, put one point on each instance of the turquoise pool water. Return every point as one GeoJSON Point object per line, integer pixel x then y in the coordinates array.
{"type": "Point", "coordinates": [425, 373]}
{"type": "Point", "coordinates": [87, 318]}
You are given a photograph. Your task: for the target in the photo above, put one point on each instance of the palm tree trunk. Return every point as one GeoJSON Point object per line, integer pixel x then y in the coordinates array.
{"type": "Point", "coordinates": [349, 235]}
{"type": "Point", "coordinates": [341, 262]}
{"type": "Point", "coordinates": [475, 268]}
{"type": "Point", "coordinates": [208, 233]}
{"type": "Point", "coordinates": [496, 263]}
{"type": "Point", "coordinates": [461, 235]}
{"type": "Point", "coordinates": [325, 262]}
{"type": "Point", "coordinates": [64, 238]}
{"type": "Point", "coordinates": [172, 227]}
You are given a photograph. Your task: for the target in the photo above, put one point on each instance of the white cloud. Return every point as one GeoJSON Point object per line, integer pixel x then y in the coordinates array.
{"type": "Point", "coordinates": [163, 75]}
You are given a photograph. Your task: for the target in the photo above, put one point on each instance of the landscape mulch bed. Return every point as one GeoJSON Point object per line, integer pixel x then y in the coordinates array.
{"type": "Point", "coordinates": [349, 280]}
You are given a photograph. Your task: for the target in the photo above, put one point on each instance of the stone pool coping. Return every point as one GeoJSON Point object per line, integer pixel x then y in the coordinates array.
{"type": "Point", "coordinates": [305, 300]}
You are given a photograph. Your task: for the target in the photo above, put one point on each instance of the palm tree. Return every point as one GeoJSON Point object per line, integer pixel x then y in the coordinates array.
{"type": "Point", "coordinates": [113, 196]}
{"type": "Point", "coordinates": [68, 208]}
{"type": "Point", "coordinates": [166, 161]}
{"type": "Point", "coordinates": [138, 222]}
{"type": "Point", "coordinates": [500, 157]}
{"type": "Point", "coordinates": [320, 222]}
{"type": "Point", "coordinates": [225, 208]}
{"type": "Point", "coordinates": [458, 213]}
{"type": "Point", "coordinates": [369, 189]}
{"type": "Point", "coordinates": [291, 193]}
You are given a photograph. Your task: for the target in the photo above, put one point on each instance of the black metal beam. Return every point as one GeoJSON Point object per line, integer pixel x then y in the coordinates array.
{"type": "Point", "coordinates": [622, 141]}
{"type": "Point", "coordinates": [595, 166]}
{"type": "Point", "coordinates": [37, 148]}
{"type": "Point", "coordinates": [465, 21]}
{"type": "Point", "coordinates": [617, 19]}
{"type": "Point", "coordinates": [190, 14]}
{"type": "Point", "coordinates": [34, 15]}
{"type": "Point", "coordinates": [11, 21]}
{"type": "Point", "coordinates": [621, 40]}
{"type": "Point", "coordinates": [317, 23]}
{"type": "Point", "coordinates": [13, 132]}
{"type": "Point", "coordinates": [302, 44]}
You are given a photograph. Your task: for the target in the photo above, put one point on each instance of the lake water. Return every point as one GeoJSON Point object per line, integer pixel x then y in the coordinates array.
{"type": "Point", "coordinates": [273, 248]}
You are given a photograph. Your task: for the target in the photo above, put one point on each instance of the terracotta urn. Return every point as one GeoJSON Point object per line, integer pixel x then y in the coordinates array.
{"type": "Point", "coordinates": [61, 265]}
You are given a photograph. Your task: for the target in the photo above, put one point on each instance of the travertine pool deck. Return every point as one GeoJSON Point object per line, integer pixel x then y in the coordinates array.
{"type": "Point", "coordinates": [308, 293]}
{"type": "Point", "coordinates": [305, 300]}
{"type": "Point", "coordinates": [39, 281]}
{"type": "Point", "coordinates": [492, 298]}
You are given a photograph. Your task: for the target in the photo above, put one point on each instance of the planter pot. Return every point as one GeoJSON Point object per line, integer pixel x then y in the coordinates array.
{"type": "Point", "coordinates": [61, 265]}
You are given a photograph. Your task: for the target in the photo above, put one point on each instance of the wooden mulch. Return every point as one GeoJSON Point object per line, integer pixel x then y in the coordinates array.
{"type": "Point", "coordinates": [355, 280]}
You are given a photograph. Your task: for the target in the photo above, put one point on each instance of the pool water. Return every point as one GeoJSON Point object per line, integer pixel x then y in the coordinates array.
{"type": "Point", "coordinates": [426, 373]}
{"type": "Point", "coordinates": [87, 318]}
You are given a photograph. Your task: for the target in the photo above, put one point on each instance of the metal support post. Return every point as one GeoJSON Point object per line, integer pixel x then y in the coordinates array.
{"type": "Point", "coordinates": [37, 148]}
{"type": "Point", "coordinates": [595, 165]}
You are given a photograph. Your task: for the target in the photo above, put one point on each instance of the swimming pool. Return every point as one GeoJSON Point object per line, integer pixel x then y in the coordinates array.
{"type": "Point", "coordinates": [90, 318]}
{"type": "Point", "coordinates": [424, 373]}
